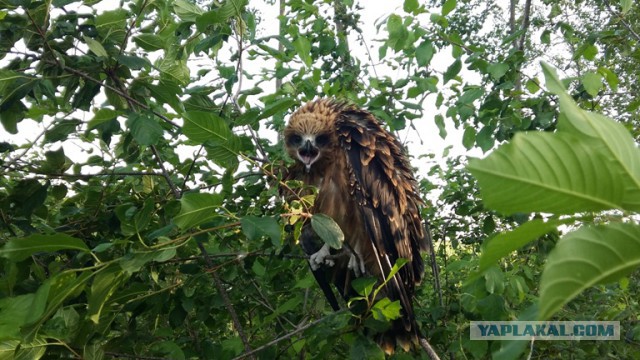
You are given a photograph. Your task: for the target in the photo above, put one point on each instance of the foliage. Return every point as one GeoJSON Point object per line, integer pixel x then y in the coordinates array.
{"type": "Point", "coordinates": [141, 210]}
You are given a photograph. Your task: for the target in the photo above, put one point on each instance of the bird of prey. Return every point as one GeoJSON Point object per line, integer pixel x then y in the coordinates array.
{"type": "Point", "coordinates": [365, 183]}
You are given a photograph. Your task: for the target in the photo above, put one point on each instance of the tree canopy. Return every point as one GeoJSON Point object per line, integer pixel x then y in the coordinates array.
{"type": "Point", "coordinates": [140, 214]}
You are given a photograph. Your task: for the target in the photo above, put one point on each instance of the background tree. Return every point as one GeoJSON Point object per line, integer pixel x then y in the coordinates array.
{"type": "Point", "coordinates": [139, 206]}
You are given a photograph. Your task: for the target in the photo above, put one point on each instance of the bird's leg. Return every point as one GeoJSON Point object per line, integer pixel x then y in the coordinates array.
{"type": "Point", "coordinates": [355, 262]}
{"type": "Point", "coordinates": [320, 257]}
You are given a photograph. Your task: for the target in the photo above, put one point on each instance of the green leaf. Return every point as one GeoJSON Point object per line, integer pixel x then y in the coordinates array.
{"type": "Point", "coordinates": [592, 83]}
{"type": "Point", "coordinates": [364, 348]}
{"type": "Point", "coordinates": [145, 129]}
{"type": "Point", "coordinates": [439, 120]}
{"type": "Point", "coordinates": [225, 153]}
{"type": "Point", "coordinates": [256, 227]}
{"type": "Point", "coordinates": [494, 280]}
{"type": "Point", "coordinates": [410, 6]}
{"type": "Point", "coordinates": [167, 92]}
{"type": "Point", "coordinates": [386, 310]}
{"type": "Point", "coordinates": [589, 52]}
{"type": "Point", "coordinates": [586, 257]}
{"type": "Point", "coordinates": [626, 6]}
{"type": "Point", "coordinates": [424, 53]}
{"type": "Point", "coordinates": [56, 162]}
{"type": "Point", "coordinates": [364, 285]}
{"type": "Point", "coordinates": [617, 143]}
{"type": "Point", "coordinates": [398, 32]}
{"type": "Point", "coordinates": [20, 350]}
{"type": "Point", "coordinates": [104, 284]}
{"type": "Point", "coordinates": [448, 7]}
{"type": "Point", "coordinates": [452, 71]}
{"type": "Point", "coordinates": [497, 70]}
{"type": "Point", "coordinates": [133, 62]}
{"type": "Point", "coordinates": [61, 130]}
{"type": "Point", "coordinates": [27, 196]}
{"type": "Point", "coordinates": [112, 25]}
{"type": "Point", "coordinates": [303, 48]}
{"type": "Point", "coordinates": [537, 171]}
{"type": "Point", "coordinates": [328, 230]}
{"type": "Point", "coordinates": [503, 244]}
{"type": "Point", "coordinates": [133, 262]}
{"type": "Point", "coordinates": [14, 312]}
{"type": "Point", "coordinates": [485, 138]}
{"type": "Point", "coordinates": [610, 77]}
{"type": "Point", "coordinates": [55, 290]}
{"type": "Point", "coordinates": [150, 42]}
{"type": "Point", "coordinates": [197, 208]}
{"type": "Point", "coordinates": [396, 267]}
{"type": "Point", "coordinates": [469, 137]}
{"type": "Point", "coordinates": [102, 115]}
{"type": "Point", "coordinates": [532, 86]}
{"type": "Point", "coordinates": [276, 107]}
{"type": "Point", "coordinates": [174, 70]}
{"type": "Point", "coordinates": [95, 47]}
{"type": "Point", "coordinates": [18, 249]}
{"type": "Point", "coordinates": [201, 127]}
{"type": "Point", "coordinates": [187, 10]}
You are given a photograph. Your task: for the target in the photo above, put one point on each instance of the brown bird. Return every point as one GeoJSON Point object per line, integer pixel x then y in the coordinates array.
{"type": "Point", "coordinates": [365, 183]}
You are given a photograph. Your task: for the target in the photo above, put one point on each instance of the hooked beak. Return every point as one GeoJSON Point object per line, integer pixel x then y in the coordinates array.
{"type": "Point", "coordinates": [308, 154]}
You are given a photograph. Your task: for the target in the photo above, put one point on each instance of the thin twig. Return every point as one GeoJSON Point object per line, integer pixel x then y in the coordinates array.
{"type": "Point", "coordinates": [226, 300]}
{"type": "Point", "coordinates": [287, 336]}
{"type": "Point", "coordinates": [183, 188]}
{"type": "Point", "coordinates": [88, 176]}
{"type": "Point", "coordinates": [621, 19]}
{"type": "Point", "coordinates": [114, 89]}
{"type": "Point", "coordinates": [174, 190]}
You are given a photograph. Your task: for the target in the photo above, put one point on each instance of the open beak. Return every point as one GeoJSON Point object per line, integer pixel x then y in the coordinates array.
{"type": "Point", "coordinates": [308, 154]}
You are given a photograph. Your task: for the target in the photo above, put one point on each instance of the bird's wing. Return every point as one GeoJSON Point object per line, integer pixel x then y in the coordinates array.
{"type": "Point", "coordinates": [384, 187]}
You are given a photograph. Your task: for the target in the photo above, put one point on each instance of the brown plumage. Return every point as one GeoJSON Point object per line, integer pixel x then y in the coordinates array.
{"type": "Point", "coordinates": [366, 185]}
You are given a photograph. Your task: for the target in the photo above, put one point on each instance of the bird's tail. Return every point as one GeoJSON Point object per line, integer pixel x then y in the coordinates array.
{"type": "Point", "coordinates": [406, 337]}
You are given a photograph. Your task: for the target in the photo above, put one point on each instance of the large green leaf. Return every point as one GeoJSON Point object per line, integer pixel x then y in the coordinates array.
{"type": "Point", "coordinates": [14, 312]}
{"type": "Point", "coordinates": [105, 283]}
{"type": "Point", "coordinates": [56, 291]}
{"type": "Point", "coordinates": [503, 244]}
{"type": "Point", "coordinates": [225, 153]}
{"type": "Point", "coordinates": [591, 163]}
{"type": "Point", "coordinates": [303, 48]}
{"type": "Point", "coordinates": [328, 230]}
{"type": "Point", "coordinates": [197, 208]}
{"type": "Point", "coordinates": [18, 249]}
{"type": "Point", "coordinates": [255, 227]}
{"type": "Point", "coordinates": [588, 256]}
{"type": "Point", "coordinates": [555, 173]}
{"type": "Point", "coordinates": [187, 10]}
{"type": "Point", "coordinates": [201, 127]}
{"type": "Point", "coordinates": [18, 350]}
{"type": "Point", "coordinates": [618, 146]}
{"type": "Point", "coordinates": [144, 128]}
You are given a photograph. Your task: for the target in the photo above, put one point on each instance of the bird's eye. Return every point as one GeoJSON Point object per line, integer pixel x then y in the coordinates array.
{"type": "Point", "coordinates": [294, 140]}
{"type": "Point", "coordinates": [322, 140]}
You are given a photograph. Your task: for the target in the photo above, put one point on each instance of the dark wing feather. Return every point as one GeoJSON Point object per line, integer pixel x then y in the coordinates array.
{"type": "Point", "coordinates": [383, 184]}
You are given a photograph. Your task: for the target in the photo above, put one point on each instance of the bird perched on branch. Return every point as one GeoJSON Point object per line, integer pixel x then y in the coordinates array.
{"type": "Point", "coordinates": [366, 185]}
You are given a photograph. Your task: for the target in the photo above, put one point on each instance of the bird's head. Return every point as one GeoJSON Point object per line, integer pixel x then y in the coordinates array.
{"type": "Point", "coordinates": [310, 136]}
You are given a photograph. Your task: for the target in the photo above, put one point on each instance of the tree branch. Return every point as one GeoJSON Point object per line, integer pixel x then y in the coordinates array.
{"type": "Point", "coordinates": [429, 350]}
{"type": "Point", "coordinates": [525, 24]}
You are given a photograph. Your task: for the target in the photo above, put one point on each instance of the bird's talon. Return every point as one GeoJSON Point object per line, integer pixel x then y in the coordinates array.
{"type": "Point", "coordinates": [317, 259]}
